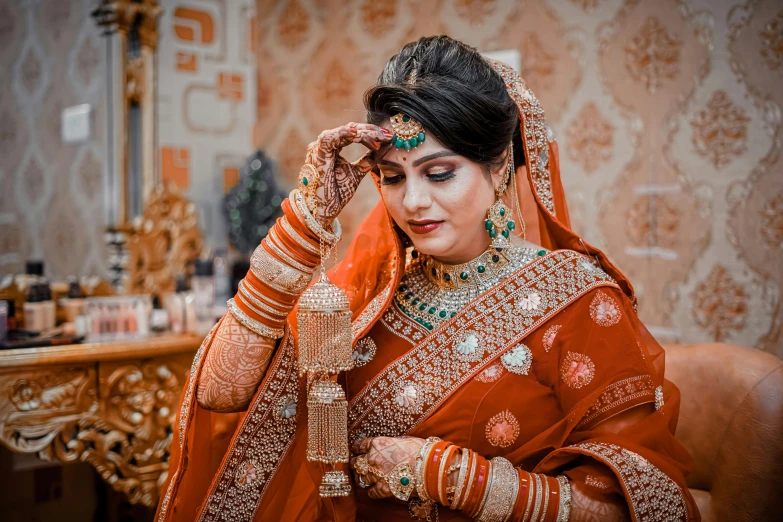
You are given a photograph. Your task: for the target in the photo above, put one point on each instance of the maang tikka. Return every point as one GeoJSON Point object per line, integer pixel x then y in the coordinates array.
{"type": "Point", "coordinates": [499, 222]}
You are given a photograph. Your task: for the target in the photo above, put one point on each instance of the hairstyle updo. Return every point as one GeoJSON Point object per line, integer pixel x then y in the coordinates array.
{"type": "Point", "coordinates": [457, 96]}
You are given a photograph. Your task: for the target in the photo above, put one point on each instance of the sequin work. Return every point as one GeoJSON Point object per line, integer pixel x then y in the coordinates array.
{"type": "Point", "coordinates": [502, 429]}
{"type": "Point", "coordinates": [549, 336]}
{"type": "Point", "coordinates": [604, 310]}
{"type": "Point", "coordinates": [434, 365]}
{"type": "Point", "coordinates": [577, 370]}
{"type": "Point", "coordinates": [264, 438]}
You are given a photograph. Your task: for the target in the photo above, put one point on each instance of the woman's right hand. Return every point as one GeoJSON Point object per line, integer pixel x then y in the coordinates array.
{"type": "Point", "coordinates": [338, 178]}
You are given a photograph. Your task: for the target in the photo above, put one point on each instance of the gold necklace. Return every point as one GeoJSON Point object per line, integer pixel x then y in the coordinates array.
{"type": "Point", "coordinates": [431, 292]}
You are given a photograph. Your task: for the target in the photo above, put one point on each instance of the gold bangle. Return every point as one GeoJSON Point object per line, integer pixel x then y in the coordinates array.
{"type": "Point", "coordinates": [530, 489]}
{"type": "Point", "coordinates": [503, 494]}
{"type": "Point", "coordinates": [257, 306]}
{"type": "Point", "coordinates": [537, 506]}
{"type": "Point", "coordinates": [277, 274]}
{"type": "Point", "coordinates": [487, 489]}
{"type": "Point", "coordinates": [444, 461]}
{"type": "Point", "coordinates": [248, 293]}
{"type": "Point", "coordinates": [297, 237]}
{"type": "Point", "coordinates": [463, 471]}
{"type": "Point", "coordinates": [421, 469]}
{"type": "Point", "coordinates": [251, 324]}
{"type": "Point", "coordinates": [471, 475]}
{"type": "Point", "coordinates": [278, 307]}
{"type": "Point", "coordinates": [564, 507]}
{"type": "Point", "coordinates": [304, 215]}
{"type": "Point", "coordinates": [546, 499]}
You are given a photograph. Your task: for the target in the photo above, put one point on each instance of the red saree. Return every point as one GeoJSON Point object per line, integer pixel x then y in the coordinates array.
{"type": "Point", "coordinates": [591, 360]}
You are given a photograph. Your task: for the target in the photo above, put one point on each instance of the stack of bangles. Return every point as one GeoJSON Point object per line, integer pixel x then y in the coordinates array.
{"type": "Point", "coordinates": [281, 268]}
{"type": "Point", "coordinates": [488, 490]}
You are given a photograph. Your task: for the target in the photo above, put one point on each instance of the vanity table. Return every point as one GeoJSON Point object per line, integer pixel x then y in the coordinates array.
{"type": "Point", "coordinates": [109, 404]}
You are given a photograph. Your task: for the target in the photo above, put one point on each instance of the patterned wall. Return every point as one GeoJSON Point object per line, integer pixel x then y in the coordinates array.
{"type": "Point", "coordinates": [668, 114]}
{"type": "Point", "coordinates": [51, 194]}
{"type": "Point", "coordinates": [206, 92]}
{"type": "Point", "coordinates": [52, 199]}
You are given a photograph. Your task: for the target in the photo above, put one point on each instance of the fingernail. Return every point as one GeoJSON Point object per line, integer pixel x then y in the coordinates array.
{"type": "Point", "coordinates": [386, 132]}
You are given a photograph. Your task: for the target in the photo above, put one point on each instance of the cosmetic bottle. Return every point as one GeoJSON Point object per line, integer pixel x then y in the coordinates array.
{"type": "Point", "coordinates": [204, 296]}
{"type": "Point", "coordinates": [73, 303]}
{"type": "Point", "coordinates": [33, 308]}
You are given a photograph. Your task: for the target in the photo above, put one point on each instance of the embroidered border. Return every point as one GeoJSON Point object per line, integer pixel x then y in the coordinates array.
{"type": "Point", "coordinates": [433, 367]}
{"type": "Point", "coordinates": [164, 504]}
{"type": "Point", "coordinates": [618, 394]}
{"type": "Point", "coordinates": [403, 326]}
{"type": "Point", "coordinates": [263, 438]}
{"type": "Point", "coordinates": [654, 497]}
{"type": "Point", "coordinates": [184, 411]}
{"type": "Point", "coordinates": [536, 140]}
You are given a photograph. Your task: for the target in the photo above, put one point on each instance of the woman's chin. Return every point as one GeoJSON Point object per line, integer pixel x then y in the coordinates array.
{"type": "Point", "coordinates": [432, 246]}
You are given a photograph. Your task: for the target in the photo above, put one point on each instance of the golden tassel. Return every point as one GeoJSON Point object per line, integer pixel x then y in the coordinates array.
{"type": "Point", "coordinates": [324, 323]}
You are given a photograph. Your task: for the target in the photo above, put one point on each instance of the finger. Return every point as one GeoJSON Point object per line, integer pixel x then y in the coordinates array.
{"type": "Point", "coordinates": [340, 137]}
{"type": "Point", "coordinates": [370, 159]}
{"type": "Point", "coordinates": [361, 447]}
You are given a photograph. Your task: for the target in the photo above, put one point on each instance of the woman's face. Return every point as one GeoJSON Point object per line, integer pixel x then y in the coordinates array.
{"type": "Point", "coordinates": [439, 199]}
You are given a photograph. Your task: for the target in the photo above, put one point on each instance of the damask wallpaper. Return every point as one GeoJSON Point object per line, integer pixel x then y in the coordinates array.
{"type": "Point", "coordinates": [668, 115]}
{"type": "Point", "coordinates": [51, 194]}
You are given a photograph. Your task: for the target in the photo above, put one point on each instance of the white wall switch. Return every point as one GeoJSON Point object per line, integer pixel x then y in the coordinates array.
{"type": "Point", "coordinates": [77, 123]}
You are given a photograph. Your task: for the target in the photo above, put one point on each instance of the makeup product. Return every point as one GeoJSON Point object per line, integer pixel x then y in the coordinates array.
{"type": "Point", "coordinates": [3, 320]}
{"type": "Point", "coordinates": [204, 294]}
{"type": "Point", "coordinates": [73, 304]}
{"type": "Point", "coordinates": [180, 306]}
{"type": "Point", "coordinates": [116, 317]}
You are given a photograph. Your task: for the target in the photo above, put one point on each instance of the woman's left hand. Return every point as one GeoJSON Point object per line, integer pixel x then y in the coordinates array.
{"type": "Point", "coordinates": [384, 453]}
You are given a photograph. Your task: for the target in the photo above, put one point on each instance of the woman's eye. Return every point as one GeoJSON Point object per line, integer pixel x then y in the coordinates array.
{"type": "Point", "coordinates": [444, 176]}
{"type": "Point", "coordinates": [391, 180]}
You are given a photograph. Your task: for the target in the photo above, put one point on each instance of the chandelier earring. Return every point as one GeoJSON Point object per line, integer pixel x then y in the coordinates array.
{"type": "Point", "coordinates": [499, 222]}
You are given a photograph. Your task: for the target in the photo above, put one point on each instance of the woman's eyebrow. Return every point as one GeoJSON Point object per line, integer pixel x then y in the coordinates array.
{"type": "Point", "coordinates": [440, 154]}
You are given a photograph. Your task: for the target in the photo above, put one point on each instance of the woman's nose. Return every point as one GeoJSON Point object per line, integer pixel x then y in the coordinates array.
{"type": "Point", "coordinates": [417, 197]}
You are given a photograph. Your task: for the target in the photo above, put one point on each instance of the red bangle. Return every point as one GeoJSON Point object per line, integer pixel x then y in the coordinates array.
{"type": "Point", "coordinates": [522, 497]}
{"type": "Point", "coordinates": [477, 493]}
{"type": "Point", "coordinates": [433, 461]}
{"type": "Point", "coordinates": [554, 499]}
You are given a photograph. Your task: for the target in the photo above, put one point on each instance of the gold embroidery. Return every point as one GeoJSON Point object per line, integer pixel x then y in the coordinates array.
{"type": "Point", "coordinates": [653, 495]}
{"type": "Point", "coordinates": [604, 310]}
{"type": "Point", "coordinates": [658, 398]}
{"type": "Point", "coordinates": [491, 373]}
{"type": "Point", "coordinates": [536, 140]}
{"type": "Point", "coordinates": [518, 360]}
{"type": "Point", "coordinates": [263, 440]}
{"type": "Point", "coordinates": [164, 504]}
{"type": "Point", "coordinates": [403, 326]}
{"type": "Point", "coordinates": [360, 325]}
{"type": "Point", "coordinates": [364, 352]}
{"type": "Point", "coordinates": [577, 370]}
{"type": "Point", "coordinates": [184, 411]}
{"type": "Point", "coordinates": [549, 336]}
{"type": "Point", "coordinates": [434, 367]}
{"type": "Point", "coordinates": [615, 396]}
{"type": "Point", "coordinates": [502, 429]}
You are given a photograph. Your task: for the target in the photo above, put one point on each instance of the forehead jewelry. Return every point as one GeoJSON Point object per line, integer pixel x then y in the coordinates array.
{"type": "Point", "coordinates": [408, 133]}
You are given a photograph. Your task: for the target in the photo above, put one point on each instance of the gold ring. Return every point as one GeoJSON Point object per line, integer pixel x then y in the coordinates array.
{"type": "Point", "coordinates": [362, 465]}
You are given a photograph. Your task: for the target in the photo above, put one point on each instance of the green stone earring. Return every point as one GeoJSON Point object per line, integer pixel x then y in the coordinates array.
{"type": "Point", "coordinates": [499, 224]}
{"type": "Point", "coordinates": [408, 133]}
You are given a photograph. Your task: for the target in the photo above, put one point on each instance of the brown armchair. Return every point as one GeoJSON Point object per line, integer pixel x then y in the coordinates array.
{"type": "Point", "coordinates": [731, 420]}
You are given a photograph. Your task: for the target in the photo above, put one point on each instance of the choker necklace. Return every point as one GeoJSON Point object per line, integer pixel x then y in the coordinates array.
{"type": "Point", "coordinates": [431, 292]}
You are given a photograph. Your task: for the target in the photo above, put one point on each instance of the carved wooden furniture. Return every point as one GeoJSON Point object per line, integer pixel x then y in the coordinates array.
{"type": "Point", "coordinates": [109, 404]}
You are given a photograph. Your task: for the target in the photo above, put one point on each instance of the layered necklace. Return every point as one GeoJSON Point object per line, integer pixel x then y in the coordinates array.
{"type": "Point", "coordinates": [432, 292]}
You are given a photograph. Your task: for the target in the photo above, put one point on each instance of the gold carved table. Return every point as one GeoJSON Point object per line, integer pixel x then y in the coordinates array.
{"type": "Point", "coordinates": [109, 404]}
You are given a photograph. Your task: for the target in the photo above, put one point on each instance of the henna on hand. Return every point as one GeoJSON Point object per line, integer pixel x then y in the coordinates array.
{"type": "Point", "coordinates": [339, 178]}
{"type": "Point", "coordinates": [236, 362]}
{"type": "Point", "coordinates": [384, 453]}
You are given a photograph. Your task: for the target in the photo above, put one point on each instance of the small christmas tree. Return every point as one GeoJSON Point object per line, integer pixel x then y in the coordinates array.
{"type": "Point", "coordinates": [252, 207]}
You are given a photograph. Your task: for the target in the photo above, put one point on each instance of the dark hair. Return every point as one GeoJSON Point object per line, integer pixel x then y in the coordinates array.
{"type": "Point", "coordinates": [457, 96]}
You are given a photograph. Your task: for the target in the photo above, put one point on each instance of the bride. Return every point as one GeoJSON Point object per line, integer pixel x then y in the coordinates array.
{"type": "Point", "coordinates": [500, 371]}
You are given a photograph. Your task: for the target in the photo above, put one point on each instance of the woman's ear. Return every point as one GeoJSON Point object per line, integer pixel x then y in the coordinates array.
{"type": "Point", "coordinates": [498, 173]}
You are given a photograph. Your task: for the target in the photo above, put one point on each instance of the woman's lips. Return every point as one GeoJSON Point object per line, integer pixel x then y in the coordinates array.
{"type": "Point", "coordinates": [424, 227]}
